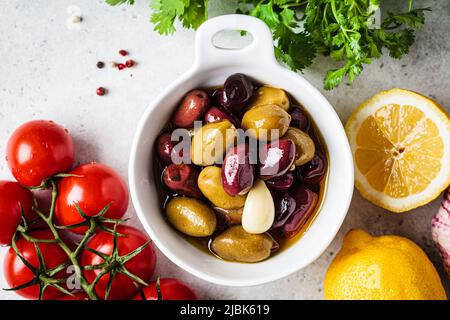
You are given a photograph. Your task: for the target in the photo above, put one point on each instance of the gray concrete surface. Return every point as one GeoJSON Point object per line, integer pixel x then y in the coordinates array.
{"type": "Point", "coordinates": [47, 70]}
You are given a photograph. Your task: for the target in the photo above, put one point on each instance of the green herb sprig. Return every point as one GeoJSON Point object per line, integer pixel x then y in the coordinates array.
{"type": "Point", "coordinates": [344, 30]}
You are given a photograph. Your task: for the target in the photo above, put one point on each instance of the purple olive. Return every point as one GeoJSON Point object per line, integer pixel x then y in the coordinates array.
{"type": "Point", "coordinates": [299, 119]}
{"type": "Point", "coordinates": [306, 202]}
{"type": "Point", "coordinates": [313, 171]}
{"type": "Point", "coordinates": [238, 173]}
{"type": "Point", "coordinates": [238, 91]}
{"type": "Point", "coordinates": [285, 205]}
{"type": "Point", "coordinates": [192, 108]}
{"type": "Point", "coordinates": [166, 148]}
{"type": "Point", "coordinates": [220, 98]}
{"type": "Point", "coordinates": [276, 158]}
{"type": "Point", "coordinates": [182, 178]}
{"type": "Point", "coordinates": [215, 114]}
{"type": "Point", "coordinates": [281, 183]}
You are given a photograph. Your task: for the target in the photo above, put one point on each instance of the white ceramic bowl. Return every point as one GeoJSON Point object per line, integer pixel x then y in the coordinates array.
{"type": "Point", "coordinates": [211, 67]}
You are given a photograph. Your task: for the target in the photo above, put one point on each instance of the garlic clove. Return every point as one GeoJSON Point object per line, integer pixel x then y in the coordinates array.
{"type": "Point", "coordinates": [259, 209]}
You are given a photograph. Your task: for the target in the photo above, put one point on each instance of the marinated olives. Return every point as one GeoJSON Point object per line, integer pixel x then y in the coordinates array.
{"type": "Point", "coordinates": [281, 183]}
{"type": "Point", "coordinates": [305, 203]}
{"type": "Point", "coordinates": [235, 244]}
{"type": "Point", "coordinates": [165, 147]}
{"type": "Point", "coordinates": [276, 158]}
{"type": "Point", "coordinates": [192, 108]}
{"type": "Point", "coordinates": [313, 171]}
{"type": "Point", "coordinates": [237, 171]}
{"type": "Point", "coordinates": [299, 119]}
{"type": "Point", "coordinates": [215, 114]}
{"type": "Point", "coordinates": [304, 145]}
{"type": "Point", "coordinates": [271, 95]}
{"type": "Point", "coordinates": [266, 122]}
{"type": "Point", "coordinates": [211, 141]}
{"type": "Point", "coordinates": [238, 90]}
{"type": "Point", "coordinates": [229, 216]}
{"type": "Point", "coordinates": [191, 216]}
{"type": "Point", "coordinates": [210, 184]}
{"type": "Point", "coordinates": [182, 178]}
{"type": "Point", "coordinates": [247, 173]}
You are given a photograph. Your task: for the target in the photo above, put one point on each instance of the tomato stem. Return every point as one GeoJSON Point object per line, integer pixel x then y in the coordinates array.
{"type": "Point", "coordinates": [73, 255]}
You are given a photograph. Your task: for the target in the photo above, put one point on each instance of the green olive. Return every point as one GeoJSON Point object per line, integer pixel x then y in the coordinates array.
{"type": "Point", "coordinates": [230, 216]}
{"type": "Point", "coordinates": [304, 145]}
{"type": "Point", "coordinates": [266, 122]}
{"type": "Point", "coordinates": [211, 141]}
{"type": "Point", "coordinates": [191, 216]}
{"type": "Point", "coordinates": [271, 95]}
{"type": "Point", "coordinates": [235, 244]}
{"type": "Point", "coordinates": [210, 184]}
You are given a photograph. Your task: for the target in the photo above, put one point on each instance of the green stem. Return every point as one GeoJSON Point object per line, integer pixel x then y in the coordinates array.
{"type": "Point", "coordinates": [73, 255]}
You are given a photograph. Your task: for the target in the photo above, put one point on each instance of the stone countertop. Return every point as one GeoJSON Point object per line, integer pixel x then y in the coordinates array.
{"type": "Point", "coordinates": [48, 71]}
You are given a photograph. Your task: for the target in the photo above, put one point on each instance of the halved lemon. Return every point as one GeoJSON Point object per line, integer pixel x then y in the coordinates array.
{"type": "Point", "coordinates": [400, 142]}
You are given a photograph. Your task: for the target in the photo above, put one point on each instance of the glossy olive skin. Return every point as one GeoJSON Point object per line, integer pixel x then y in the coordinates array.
{"type": "Point", "coordinates": [238, 173]}
{"type": "Point", "coordinates": [220, 98]}
{"type": "Point", "coordinates": [235, 244]}
{"type": "Point", "coordinates": [281, 183]}
{"type": "Point", "coordinates": [285, 206]}
{"type": "Point", "coordinates": [313, 172]}
{"type": "Point", "coordinates": [165, 148]}
{"type": "Point", "coordinates": [182, 178]}
{"type": "Point", "coordinates": [238, 90]}
{"type": "Point", "coordinates": [191, 216]}
{"type": "Point", "coordinates": [299, 119]}
{"type": "Point", "coordinates": [306, 202]}
{"type": "Point", "coordinates": [304, 145]}
{"type": "Point", "coordinates": [192, 108]}
{"type": "Point", "coordinates": [271, 95]}
{"type": "Point", "coordinates": [229, 216]}
{"type": "Point", "coordinates": [211, 141]}
{"type": "Point", "coordinates": [215, 114]}
{"type": "Point", "coordinates": [276, 158]}
{"type": "Point", "coordinates": [266, 122]}
{"type": "Point", "coordinates": [210, 184]}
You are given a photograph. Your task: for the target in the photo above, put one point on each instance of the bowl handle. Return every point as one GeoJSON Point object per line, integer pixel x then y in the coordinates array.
{"type": "Point", "coordinates": [260, 50]}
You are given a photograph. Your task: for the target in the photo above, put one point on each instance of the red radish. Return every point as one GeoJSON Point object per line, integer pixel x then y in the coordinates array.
{"type": "Point", "coordinates": [440, 230]}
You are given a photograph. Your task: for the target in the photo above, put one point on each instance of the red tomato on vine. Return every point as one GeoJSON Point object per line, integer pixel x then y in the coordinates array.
{"type": "Point", "coordinates": [38, 150]}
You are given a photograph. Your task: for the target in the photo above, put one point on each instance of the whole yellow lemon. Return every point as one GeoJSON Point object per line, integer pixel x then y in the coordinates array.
{"type": "Point", "coordinates": [381, 268]}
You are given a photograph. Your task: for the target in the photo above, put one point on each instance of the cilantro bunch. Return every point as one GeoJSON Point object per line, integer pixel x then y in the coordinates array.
{"type": "Point", "coordinates": [345, 30]}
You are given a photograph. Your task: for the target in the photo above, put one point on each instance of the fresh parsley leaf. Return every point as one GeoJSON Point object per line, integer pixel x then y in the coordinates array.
{"type": "Point", "coordinates": [334, 77]}
{"type": "Point", "coordinates": [194, 15]}
{"type": "Point", "coordinates": [191, 13]}
{"type": "Point", "coordinates": [117, 2]}
{"type": "Point", "coordinates": [415, 19]}
{"type": "Point", "coordinates": [344, 30]}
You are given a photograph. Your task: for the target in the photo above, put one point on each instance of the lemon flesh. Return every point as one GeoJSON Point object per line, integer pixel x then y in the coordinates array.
{"type": "Point", "coordinates": [401, 148]}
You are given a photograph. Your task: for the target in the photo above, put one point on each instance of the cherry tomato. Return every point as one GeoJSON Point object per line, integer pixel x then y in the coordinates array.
{"type": "Point", "coordinates": [171, 289]}
{"type": "Point", "coordinates": [13, 198]}
{"type": "Point", "coordinates": [142, 265]}
{"type": "Point", "coordinates": [93, 188]}
{"type": "Point", "coordinates": [38, 150]}
{"type": "Point", "coordinates": [17, 273]}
